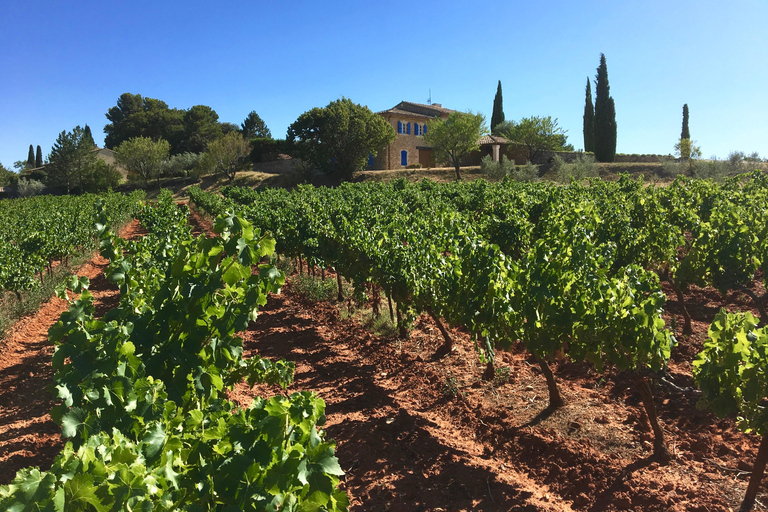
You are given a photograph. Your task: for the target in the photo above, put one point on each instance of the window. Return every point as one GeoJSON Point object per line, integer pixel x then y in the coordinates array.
{"type": "Point", "coordinates": [416, 128]}
{"type": "Point", "coordinates": [404, 158]}
{"type": "Point", "coordinates": [370, 159]}
{"type": "Point", "coordinates": [425, 129]}
{"type": "Point", "coordinates": [408, 130]}
{"type": "Point", "coordinates": [399, 127]}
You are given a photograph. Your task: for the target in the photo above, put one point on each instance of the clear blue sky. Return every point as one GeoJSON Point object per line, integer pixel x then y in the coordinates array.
{"type": "Point", "coordinates": [66, 63]}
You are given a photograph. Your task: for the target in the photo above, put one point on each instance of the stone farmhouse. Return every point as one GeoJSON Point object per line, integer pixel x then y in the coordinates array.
{"type": "Point", "coordinates": [409, 121]}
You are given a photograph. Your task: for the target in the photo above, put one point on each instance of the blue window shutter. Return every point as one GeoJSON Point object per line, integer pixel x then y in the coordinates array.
{"type": "Point", "coordinates": [370, 159]}
{"type": "Point", "coordinates": [425, 129]}
{"type": "Point", "coordinates": [403, 158]}
{"type": "Point", "coordinates": [409, 129]}
{"type": "Point", "coordinates": [399, 127]}
{"type": "Point", "coordinates": [415, 128]}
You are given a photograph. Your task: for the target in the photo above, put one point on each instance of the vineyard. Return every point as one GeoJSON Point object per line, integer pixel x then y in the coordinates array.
{"type": "Point", "coordinates": [551, 303]}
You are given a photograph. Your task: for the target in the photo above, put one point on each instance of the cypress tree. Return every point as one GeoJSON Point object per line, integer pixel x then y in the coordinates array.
{"type": "Point", "coordinates": [497, 117]}
{"type": "Point", "coordinates": [31, 157]}
{"type": "Point", "coordinates": [39, 157]}
{"type": "Point", "coordinates": [589, 121]}
{"type": "Point", "coordinates": [605, 116]}
{"type": "Point", "coordinates": [685, 134]}
{"type": "Point", "coordinates": [88, 137]}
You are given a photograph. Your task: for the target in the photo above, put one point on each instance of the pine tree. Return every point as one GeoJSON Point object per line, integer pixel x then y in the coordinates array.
{"type": "Point", "coordinates": [497, 117]}
{"type": "Point", "coordinates": [39, 157]}
{"type": "Point", "coordinates": [589, 121]}
{"type": "Point", "coordinates": [605, 116]}
{"type": "Point", "coordinates": [685, 134]}
{"type": "Point", "coordinates": [31, 157]}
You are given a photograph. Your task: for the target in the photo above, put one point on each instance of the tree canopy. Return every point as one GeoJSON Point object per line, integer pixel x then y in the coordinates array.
{"type": "Point", "coordinates": [337, 139]}
{"type": "Point", "coordinates": [143, 156]}
{"type": "Point", "coordinates": [253, 126]}
{"type": "Point", "coordinates": [201, 127]}
{"type": "Point", "coordinates": [7, 177]}
{"type": "Point", "coordinates": [456, 136]}
{"type": "Point", "coordinates": [185, 130]}
{"type": "Point", "coordinates": [229, 154]}
{"type": "Point", "coordinates": [71, 161]}
{"type": "Point", "coordinates": [538, 134]}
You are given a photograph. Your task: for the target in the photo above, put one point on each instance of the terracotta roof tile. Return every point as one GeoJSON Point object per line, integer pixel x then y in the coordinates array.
{"type": "Point", "coordinates": [492, 139]}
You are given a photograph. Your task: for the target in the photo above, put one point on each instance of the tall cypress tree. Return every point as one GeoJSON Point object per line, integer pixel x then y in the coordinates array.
{"type": "Point", "coordinates": [589, 121]}
{"type": "Point", "coordinates": [498, 109]}
{"type": "Point", "coordinates": [39, 157]}
{"type": "Point", "coordinates": [605, 116]}
{"type": "Point", "coordinates": [31, 157]}
{"type": "Point", "coordinates": [88, 137]}
{"type": "Point", "coordinates": [685, 134]}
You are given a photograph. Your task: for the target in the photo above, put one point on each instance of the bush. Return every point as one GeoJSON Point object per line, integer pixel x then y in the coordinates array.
{"type": "Point", "coordinates": [497, 170]}
{"type": "Point", "coordinates": [671, 168]}
{"type": "Point", "coordinates": [29, 188]}
{"type": "Point", "coordinates": [527, 172]}
{"type": "Point", "coordinates": [715, 170]}
{"type": "Point", "coordinates": [180, 165]}
{"type": "Point", "coordinates": [413, 166]}
{"type": "Point", "coordinates": [583, 167]}
{"type": "Point", "coordinates": [103, 177]}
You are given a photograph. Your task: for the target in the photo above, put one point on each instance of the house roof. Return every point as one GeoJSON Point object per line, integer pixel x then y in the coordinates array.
{"type": "Point", "coordinates": [492, 139]}
{"type": "Point", "coordinates": [418, 110]}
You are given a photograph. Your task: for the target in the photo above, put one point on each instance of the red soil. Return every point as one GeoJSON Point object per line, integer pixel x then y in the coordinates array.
{"type": "Point", "coordinates": [409, 443]}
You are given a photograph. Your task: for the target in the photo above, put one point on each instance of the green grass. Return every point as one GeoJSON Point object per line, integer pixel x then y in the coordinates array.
{"type": "Point", "coordinates": [315, 289]}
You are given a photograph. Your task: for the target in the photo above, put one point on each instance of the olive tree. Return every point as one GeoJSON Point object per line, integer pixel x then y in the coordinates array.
{"type": "Point", "coordinates": [456, 136]}
{"type": "Point", "coordinates": [143, 157]}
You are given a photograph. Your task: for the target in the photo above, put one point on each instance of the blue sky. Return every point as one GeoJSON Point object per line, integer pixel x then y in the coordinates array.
{"type": "Point", "coordinates": [66, 63]}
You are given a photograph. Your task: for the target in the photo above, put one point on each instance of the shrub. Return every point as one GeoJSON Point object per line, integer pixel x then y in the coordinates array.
{"type": "Point", "coordinates": [413, 166]}
{"type": "Point", "coordinates": [715, 170]}
{"type": "Point", "coordinates": [583, 167]}
{"type": "Point", "coordinates": [559, 166]}
{"type": "Point", "coordinates": [103, 177]}
{"type": "Point", "coordinates": [497, 170]}
{"type": "Point", "coordinates": [29, 188]}
{"type": "Point", "coordinates": [527, 172]}
{"type": "Point", "coordinates": [671, 168]}
{"type": "Point", "coordinates": [180, 165]}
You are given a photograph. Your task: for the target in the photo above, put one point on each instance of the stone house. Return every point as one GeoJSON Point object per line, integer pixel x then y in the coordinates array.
{"type": "Point", "coordinates": [409, 121]}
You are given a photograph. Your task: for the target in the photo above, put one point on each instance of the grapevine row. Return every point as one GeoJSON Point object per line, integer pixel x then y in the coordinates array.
{"type": "Point", "coordinates": [142, 389]}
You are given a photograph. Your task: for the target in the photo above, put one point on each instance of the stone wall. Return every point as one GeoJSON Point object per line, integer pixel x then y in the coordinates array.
{"type": "Point", "coordinates": [646, 159]}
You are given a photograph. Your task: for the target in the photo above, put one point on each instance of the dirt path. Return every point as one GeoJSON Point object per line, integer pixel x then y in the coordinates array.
{"type": "Point", "coordinates": [409, 441]}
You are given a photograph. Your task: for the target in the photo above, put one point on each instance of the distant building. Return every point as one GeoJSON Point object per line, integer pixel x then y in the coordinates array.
{"type": "Point", "coordinates": [409, 121]}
